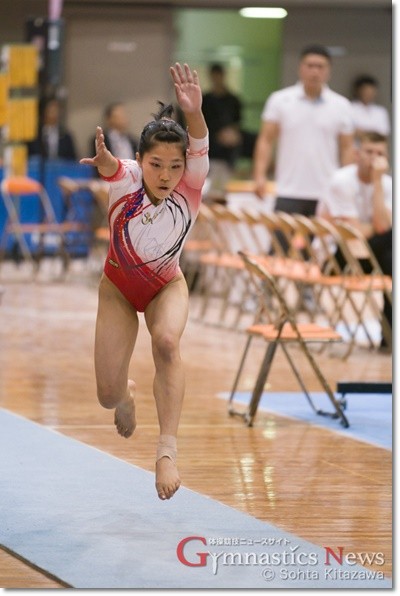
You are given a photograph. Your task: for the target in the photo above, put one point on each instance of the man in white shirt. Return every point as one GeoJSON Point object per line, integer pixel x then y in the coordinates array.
{"type": "Point", "coordinates": [312, 129]}
{"type": "Point", "coordinates": [361, 194]}
{"type": "Point", "coordinates": [367, 114]}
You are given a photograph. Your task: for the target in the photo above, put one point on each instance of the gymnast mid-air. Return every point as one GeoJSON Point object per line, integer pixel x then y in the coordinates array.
{"type": "Point", "coordinates": [153, 204]}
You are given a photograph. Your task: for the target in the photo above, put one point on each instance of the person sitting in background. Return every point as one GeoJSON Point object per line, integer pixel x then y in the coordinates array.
{"type": "Point", "coordinates": [54, 141]}
{"type": "Point", "coordinates": [222, 112]}
{"type": "Point", "coordinates": [361, 194]}
{"type": "Point", "coordinates": [367, 114]}
{"type": "Point", "coordinates": [117, 138]}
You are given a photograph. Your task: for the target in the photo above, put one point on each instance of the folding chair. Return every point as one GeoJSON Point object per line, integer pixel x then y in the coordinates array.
{"type": "Point", "coordinates": [78, 208]}
{"type": "Point", "coordinates": [356, 249]}
{"type": "Point", "coordinates": [354, 282]}
{"type": "Point", "coordinates": [255, 230]}
{"type": "Point", "coordinates": [237, 226]}
{"type": "Point", "coordinates": [17, 190]}
{"type": "Point", "coordinates": [328, 283]}
{"type": "Point", "coordinates": [289, 263]}
{"type": "Point", "coordinates": [340, 283]}
{"type": "Point", "coordinates": [222, 267]}
{"type": "Point", "coordinates": [273, 225]}
{"type": "Point", "coordinates": [210, 262]}
{"type": "Point", "coordinates": [197, 244]}
{"type": "Point", "coordinates": [283, 331]}
{"type": "Point", "coordinates": [325, 240]}
{"type": "Point", "coordinates": [76, 193]}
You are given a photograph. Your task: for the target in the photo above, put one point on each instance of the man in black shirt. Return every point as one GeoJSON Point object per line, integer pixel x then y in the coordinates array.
{"type": "Point", "coordinates": [222, 112]}
{"type": "Point", "coordinates": [54, 141]}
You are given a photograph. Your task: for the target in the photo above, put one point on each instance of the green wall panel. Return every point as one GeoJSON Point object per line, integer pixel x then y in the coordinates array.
{"type": "Point", "coordinates": [249, 48]}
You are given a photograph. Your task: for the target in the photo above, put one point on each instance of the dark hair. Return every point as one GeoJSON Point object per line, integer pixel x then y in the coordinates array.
{"type": "Point", "coordinates": [163, 129]}
{"type": "Point", "coordinates": [361, 81]}
{"type": "Point", "coordinates": [365, 80]}
{"type": "Point", "coordinates": [316, 49]}
{"type": "Point", "coordinates": [46, 101]}
{"type": "Point", "coordinates": [216, 67]}
{"type": "Point", "coordinates": [111, 107]}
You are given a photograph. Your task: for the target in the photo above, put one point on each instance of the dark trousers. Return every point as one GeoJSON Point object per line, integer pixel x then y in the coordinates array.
{"type": "Point", "coordinates": [306, 207]}
{"type": "Point", "coordinates": [303, 206]}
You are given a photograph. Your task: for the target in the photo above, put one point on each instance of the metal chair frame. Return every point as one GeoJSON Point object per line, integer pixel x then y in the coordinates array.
{"type": "Point", "coordinates": [285, 330]}
{"type": "Point", "coordinates": [15, 189]}
{"type": "Point", "coordinates": [355, 281]}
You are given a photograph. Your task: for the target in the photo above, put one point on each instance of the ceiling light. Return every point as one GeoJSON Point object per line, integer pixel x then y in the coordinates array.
{"type": "Point", "coordinates": [263, 13]}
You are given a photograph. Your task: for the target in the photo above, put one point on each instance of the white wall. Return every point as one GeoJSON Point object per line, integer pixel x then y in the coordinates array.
{"type": "Point", "coordinates": [116, 56]}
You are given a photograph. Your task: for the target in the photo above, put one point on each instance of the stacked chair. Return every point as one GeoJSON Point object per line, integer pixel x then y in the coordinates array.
{"type": "Point", "coordinates": [300, 253]}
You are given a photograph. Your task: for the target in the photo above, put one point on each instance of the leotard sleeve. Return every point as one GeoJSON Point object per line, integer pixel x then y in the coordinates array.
{"type": "Point", "coordinates": [127, 179]}
{"type": "Point", "coordinates": [196, 162]}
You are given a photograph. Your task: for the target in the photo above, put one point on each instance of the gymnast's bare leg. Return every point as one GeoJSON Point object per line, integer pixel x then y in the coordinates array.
{"type": "Point", "coordinates": [116, 332]}
{"type": "Point", "coordinates": [166, 317]}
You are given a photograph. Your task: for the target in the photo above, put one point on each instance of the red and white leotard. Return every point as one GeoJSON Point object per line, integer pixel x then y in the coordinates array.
{"type": "Point", "coordinates": [146, 240]}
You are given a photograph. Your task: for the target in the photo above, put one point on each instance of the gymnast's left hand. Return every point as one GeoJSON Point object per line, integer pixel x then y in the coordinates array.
{"type": "Point", "coordinates": [187, 88]}
{"type": "Point", "coordinates": [104, 160]}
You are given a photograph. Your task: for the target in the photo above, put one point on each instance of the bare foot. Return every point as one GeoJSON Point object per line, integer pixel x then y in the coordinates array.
{"type": "Point", "coordinates": [167, 478]}
{"type": "Point", "coordinates": [124, 417]}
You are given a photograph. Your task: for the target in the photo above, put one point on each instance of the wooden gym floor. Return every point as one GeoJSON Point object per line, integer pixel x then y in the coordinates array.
{"type": "Point", "coordinates": [319, 485]}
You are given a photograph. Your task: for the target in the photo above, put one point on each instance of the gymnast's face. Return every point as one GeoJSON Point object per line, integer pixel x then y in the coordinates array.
{"type": "Point", "coordinates": [162, 168]}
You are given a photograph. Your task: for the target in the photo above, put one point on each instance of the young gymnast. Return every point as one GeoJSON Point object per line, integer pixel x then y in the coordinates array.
{"type": "Point", "coordinates": [153, 204]}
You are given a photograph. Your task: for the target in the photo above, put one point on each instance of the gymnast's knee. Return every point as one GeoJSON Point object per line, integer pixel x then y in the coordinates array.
{"type": "Point", "coordinates": [166, 346]}
{"type": "Point", "coordinates": [107, 398]}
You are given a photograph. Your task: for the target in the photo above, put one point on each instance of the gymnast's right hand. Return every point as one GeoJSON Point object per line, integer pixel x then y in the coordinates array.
{"type": "Point", "coordinates": [104, 160]}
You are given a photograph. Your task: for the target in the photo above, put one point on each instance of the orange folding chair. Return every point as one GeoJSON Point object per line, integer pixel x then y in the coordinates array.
{"type": "Point", "coordinates": [221, 267]}
{"type": "Point", "coordinates": [31, 237]}
{"type": "Point", "coordinates": [197, 244]}
{"type": "Point", "coordinates": [282, 331]}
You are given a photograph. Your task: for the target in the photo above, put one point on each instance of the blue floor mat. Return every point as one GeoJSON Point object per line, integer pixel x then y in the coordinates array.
{"type": "Point", "coordinates": [94, 521]}
{"type": "Point", "coordinates": [369, 415]}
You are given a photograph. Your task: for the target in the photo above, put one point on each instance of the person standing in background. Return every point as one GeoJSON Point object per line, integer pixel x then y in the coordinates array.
{"type": "Point", "coordinates": [117, 137]}
{"type": "Point", "coordinates": [312, 129]}
{"type": "Point", "coordinates": [223, 112]}
{"type": "Point", "coordinates": [367, 114]}
{"type": "Point", "coordinates": [54, 141]}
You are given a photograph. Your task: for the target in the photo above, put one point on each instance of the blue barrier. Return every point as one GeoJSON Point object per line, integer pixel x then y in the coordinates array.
{"type": "Point", "coordinates": [80, 209]}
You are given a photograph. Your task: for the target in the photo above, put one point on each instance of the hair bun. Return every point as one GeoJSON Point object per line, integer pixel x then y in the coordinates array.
{"type": "Point", "coordinates": [165, 111]}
